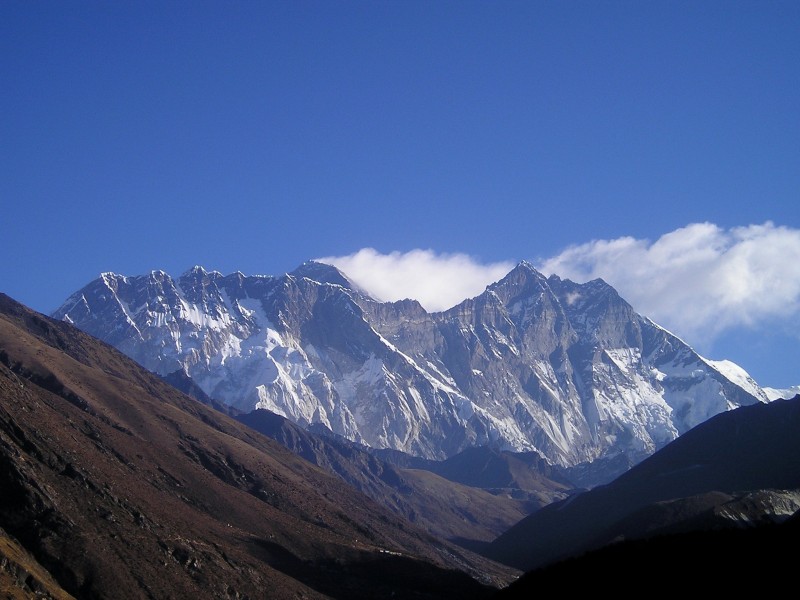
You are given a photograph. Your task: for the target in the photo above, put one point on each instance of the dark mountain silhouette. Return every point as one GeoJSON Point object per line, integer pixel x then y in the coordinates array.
{"type": "Point", "coordinates": [706, 478]}
{"type": "Point", "coordinates": [456, 511]}
{"type": "Point", "coordinates": [115, 484]}
{"type": "Point", "coordinates": [720, 563]}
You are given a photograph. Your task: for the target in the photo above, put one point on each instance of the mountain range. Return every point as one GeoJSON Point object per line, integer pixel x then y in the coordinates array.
{"type": "Point", "coordinates": [533, 364]}
{"type": "Point", "coordinates": [115, 483]}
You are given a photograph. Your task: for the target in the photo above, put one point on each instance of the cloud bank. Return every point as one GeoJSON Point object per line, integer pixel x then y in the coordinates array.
{"type": "Point", "coordinates": [437, 281]}
{"type": "Point", "coordinates": [696, 281]}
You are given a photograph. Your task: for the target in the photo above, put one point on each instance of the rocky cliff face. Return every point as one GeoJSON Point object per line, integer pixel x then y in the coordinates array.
{"type": "Point", "coordinates": [533, 364]}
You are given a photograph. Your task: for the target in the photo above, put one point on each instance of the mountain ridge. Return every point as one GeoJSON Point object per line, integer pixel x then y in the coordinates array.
{"type": "Point", "coordinates": [533, 364]}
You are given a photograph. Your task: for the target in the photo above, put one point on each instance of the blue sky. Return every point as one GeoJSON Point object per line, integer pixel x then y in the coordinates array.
{"type": "Point", "coordinates": [655, 144]}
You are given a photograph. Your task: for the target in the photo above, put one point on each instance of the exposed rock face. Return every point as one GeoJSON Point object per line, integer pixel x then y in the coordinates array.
{"type": "Point", "coordinates": [533, 364]}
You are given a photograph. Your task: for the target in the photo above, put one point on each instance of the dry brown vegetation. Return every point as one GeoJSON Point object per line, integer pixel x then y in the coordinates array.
{"type": "Point", "coordinates": [121, 486]}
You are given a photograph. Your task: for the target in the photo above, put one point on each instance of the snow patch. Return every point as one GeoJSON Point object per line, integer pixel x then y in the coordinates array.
{"type": "Point", "coordinates": [737, 375]}
{"type": "Point", "coordinates": [781, 393]}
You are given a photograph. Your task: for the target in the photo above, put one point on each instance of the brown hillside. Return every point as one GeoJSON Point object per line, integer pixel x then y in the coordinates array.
{"type": "Point", "coordinates": [121, 486]}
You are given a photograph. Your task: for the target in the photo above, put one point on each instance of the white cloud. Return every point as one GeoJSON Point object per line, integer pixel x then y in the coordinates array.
{"type": "Point", "coordinates": [437, 281]}
{"type": "Point", "coordinates": [698, 280]}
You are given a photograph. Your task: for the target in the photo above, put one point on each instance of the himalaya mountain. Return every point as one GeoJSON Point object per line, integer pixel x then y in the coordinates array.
{"type": "Point", "coordinates": [540, 364]}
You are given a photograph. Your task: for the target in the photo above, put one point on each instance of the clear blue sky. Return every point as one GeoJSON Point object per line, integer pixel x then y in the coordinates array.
{"type": "Point", "coordinates": [253, 136]}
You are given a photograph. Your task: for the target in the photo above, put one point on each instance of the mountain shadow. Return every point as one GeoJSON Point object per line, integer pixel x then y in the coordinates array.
{"type": "Point", "coordinates": [718, 563]}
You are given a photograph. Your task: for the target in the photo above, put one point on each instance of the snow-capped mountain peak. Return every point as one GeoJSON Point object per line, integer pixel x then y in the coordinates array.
{"type": "Point", "coordinates": [322, 273]}
{"type": "Point", "coordinates": [531, 364]}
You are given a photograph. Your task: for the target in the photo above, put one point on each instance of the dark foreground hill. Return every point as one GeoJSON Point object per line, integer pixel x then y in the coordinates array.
{"type": "Point", "coordinates": [738, 468]}
{"type": "Point", "coordinates": [115, 485]}
{"type": "Point", "coordinates": [721, 563]}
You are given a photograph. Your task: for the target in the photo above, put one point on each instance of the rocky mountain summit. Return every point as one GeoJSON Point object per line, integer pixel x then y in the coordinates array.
{"type": "Point", "coordinates": [533, 364]}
